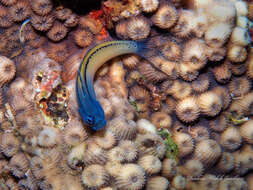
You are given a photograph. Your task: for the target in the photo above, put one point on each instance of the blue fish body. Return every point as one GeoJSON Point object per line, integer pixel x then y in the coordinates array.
{"type": "Point", "coordinates": [90, 109]}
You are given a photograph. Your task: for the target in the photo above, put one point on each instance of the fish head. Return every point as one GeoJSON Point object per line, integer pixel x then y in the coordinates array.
{"type": "Point", "coordinates": [93, 115]}
{"type": "Point", "coordinates": [99, 124]}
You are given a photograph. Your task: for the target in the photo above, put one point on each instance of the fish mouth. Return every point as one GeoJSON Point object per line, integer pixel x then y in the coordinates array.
{"type": "Point", "coordinates": [99, 125]}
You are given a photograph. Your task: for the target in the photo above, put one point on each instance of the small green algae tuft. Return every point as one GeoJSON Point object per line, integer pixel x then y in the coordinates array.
{"type": "Point", "coordinates": [172, 148]}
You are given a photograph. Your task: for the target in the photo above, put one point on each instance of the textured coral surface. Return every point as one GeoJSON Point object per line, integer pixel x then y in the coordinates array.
{"type": "Point", "coordinates": [179, 119]}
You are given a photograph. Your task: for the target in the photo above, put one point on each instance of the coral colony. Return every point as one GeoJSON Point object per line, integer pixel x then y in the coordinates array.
{"type": "Point", "coordinates": [180, 119]}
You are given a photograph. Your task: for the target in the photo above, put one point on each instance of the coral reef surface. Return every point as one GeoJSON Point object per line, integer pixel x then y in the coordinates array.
{"type": "Point", "coordinates": [180, 119]}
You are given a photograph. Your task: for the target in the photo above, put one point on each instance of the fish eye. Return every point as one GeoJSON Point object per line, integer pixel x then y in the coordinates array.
{"type": "Point", "coordinates": [90, 120]}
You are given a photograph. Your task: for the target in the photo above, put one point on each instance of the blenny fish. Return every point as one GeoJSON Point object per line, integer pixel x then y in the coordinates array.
{"type": "Point", "coordinates": [89, 108]}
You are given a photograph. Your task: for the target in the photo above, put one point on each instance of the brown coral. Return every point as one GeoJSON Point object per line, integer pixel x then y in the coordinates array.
{"type": "Point", "coordinates": [226, 162]}
{"type": "Point", "coordinates": [217, 34]}
{"type": "Point", "coordinates": [20, 11]}
{"type": "Point", "coordinates": [169, 168]}
{"type": "Point", "coordinates": [199, 133]}
{"type": "Point", "coordinates": [165, 17]}
{"type": "Point", "coordinates": [121, 29]}
{"type": "Point", "coordinates": [210, 103]}
{"type": "Point", "coordinates": [239, 69]}
{"type": "Point", "coordinates": [42, 7]}
{"type": "Point", "coordinates": [239, 86]}
{"type": "Point", "coordinates": [151, 73]}
{"type": "Point", "coordinates": [151, 164]}
{"type": "Point", "coordinates": [9, 144]}
{"type": "Point", "coordinates": [187, 110]}
{"type": "Point", "coordinates": [219, 124]}
{"type": "Point", "coordinates": [150, 144]}
{"type": "Point", "coordinates": [5, 18]}
{"type": "Point", "coordinates": [8, 2]}
{"type": "Point", "coordinates": [95, 154]}
{"type": "Point", "coordinates": [122, 128]}
{"type": "Point", "coordinates": [105, 139]}
{"type": "Point", "coordinates": [237, 54]}
{"type": "Point", "coordinates": [201, 84]}
{"type": "Point", "coordinates": [138, 28]}
{"type": "Point", "coordinates": [58, 52]}
{"type": "Point", "coordinates": [94, 176]}
{"type": "Point", "coordinates": [224, 94]}
{"type": "Point", "coordinates": [231, 139]}
{"type": "Point", "coordinates": [170, 50]}
{"type": "Point", "coordinates": [130, 61]}
{"type": "Point", "coordinates": [161, 120]}
{"type": "Point", "coordinates": [19, 165]}
{"type": "Point", "coordinates": [63, 14]}
{"type": "Point", "coordinates": [141, 97]}
{"type": "Point", "coordinates": [74, 133]}
{"type": "Point", "coordinates": [7, 70]}
{"type": "Point", "coordinates": [246, 131]}
{"type": "Point", "coordinates": [194, 52]}
{"type": "Point", "coordinates": [57, 32]}
{"type": "Point", "coordinates": [158, 183]}
{"type": "Point", "coordinates": [131, 177]}
{"type": "Point", "coordinates": [183, 27]}
{"type": "Point", "coordinates": [184, 142]}
{"type": "Point", "coordinates": [42, 23]}
{"type": "Point", "coordinates": [90, 24]}
{"type": "Point", "coordinates": [129, 150]}
{"type": "Point", "coordinates": [72, 21]}
{"type": "Point", "coordinates": [222, 73]}
{"type": "Point", "coordinates": [149, 6]}
{"type": "Point", "coordinates": [48, 137]}
{"type": "Point", "coordinates": [207, 151]}
{"type": "Point", "coordinates": [83, 38]}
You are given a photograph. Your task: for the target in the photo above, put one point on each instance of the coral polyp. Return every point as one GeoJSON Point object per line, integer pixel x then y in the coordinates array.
{"type": "Point", "coordinates": [91, 24]}
{"type": "Point", "coordinates": [165, 17]}
{"type": "Point", "coordinates": [20, 11]}
{"type": "Point", "coordinates": [217, 34]}
{"type": "Point", "coordinates": [7, 70]}
{"type": "Point", "coordinates": [183, 27]}
{"type": "Point", "coordinates": [246, 132]}
{"type": "Point", "coordinates": [58, 52]}
{"type": "Point", "coordinates": [207, 151]}
{"type": "Point", "coordinates": [94, 176]}
{"type": "Point", "coordinates": [83, 38]}
{"type": "Point", "coordinates": [19, 165]}
{"type": "Point", "coordinates": [132, 177]}
{"type": "Point", "coordinates": [231, 138]}
{"type": "Point", "coordinates": [9, 144]}
{"type": "Point", "coordinates": [157, 182]}
{"type": "Point", "coordinates": [63, 13]}
{"type": "Point", "coordinates": [42, 23]}
{"type": "Point", "coordinates": [5, 18]}
{"type": "Point", "coordinates": [187, 110]}
{"type": "Point", "coordinates": [210, 104]}
{"type": "Point", "coordinates": [74, 133]}
{"type": "Point", "coordinates": [222, 73]}
{"type": "Point", "coordinates": [57, 32]}
{"type": "Point", "coordinates": [42, 7]}
{"type": "Point", "coordinates": [185, 143]}
{"type": "Point", "coordinates": [150, 164]}
{"type": "Point", "coordinates": [138, 28]}
{"type": "Point", "coordinates": [149, 5]}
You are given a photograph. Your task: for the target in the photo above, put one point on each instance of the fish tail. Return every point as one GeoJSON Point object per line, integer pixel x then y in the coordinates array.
{"type": "Point", "coordinates": [149, 47]}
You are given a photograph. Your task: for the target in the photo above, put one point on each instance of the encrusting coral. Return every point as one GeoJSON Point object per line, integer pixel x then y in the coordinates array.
{"type": "Point", "coordinates": [170, 117]}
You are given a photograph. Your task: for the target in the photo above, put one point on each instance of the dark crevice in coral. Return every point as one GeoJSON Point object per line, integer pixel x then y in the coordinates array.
{"type": "Point", "coordinates": [80, 7]}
